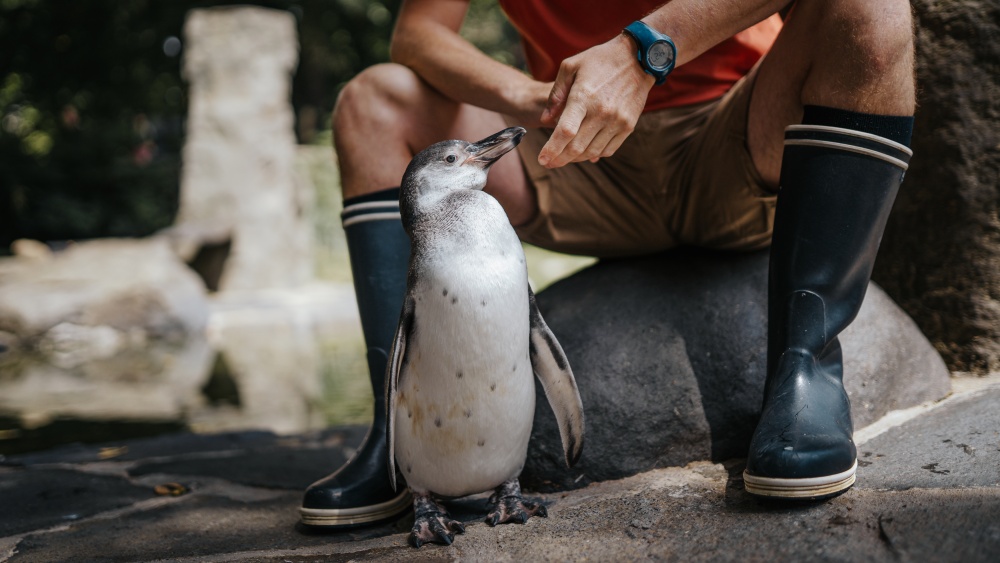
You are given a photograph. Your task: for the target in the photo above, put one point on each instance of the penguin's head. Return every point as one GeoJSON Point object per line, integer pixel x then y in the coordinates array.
{"type": "Point", "coordinates": [458, 165]}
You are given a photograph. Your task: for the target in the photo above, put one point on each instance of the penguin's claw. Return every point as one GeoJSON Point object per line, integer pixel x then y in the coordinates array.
{"type": "Point", "coordinates": [509, 506]}
{"type": "Point", "coordinates": [435, 528]}
{"type": "Point", "coordinates": [514, 509]}
{"type": "Point", "coordinates": [432, 523]}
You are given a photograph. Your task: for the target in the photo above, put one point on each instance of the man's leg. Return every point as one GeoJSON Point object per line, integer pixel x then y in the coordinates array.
{"type": "Point", "coordinates": [830, 122]}
{"type": "Point", "coordinates": [383, 117]}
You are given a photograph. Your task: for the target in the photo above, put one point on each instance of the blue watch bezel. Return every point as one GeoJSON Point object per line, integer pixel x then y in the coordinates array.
{"type": "Point", "coordinates": [645, 37]}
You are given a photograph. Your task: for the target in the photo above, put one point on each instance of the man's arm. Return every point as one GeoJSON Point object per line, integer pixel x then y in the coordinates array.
{"type": "Point", "coordinates": [599, 94]}
{"type": "Point", "coordinates": [426, 40]}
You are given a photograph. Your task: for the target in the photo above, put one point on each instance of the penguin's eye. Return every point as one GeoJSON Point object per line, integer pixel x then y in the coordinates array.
{"type": "Point", "coordinates": [451, 158]}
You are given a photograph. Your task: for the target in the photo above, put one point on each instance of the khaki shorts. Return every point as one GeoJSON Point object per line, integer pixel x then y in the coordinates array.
{"type": "Point", "coordinates": [684, 177]}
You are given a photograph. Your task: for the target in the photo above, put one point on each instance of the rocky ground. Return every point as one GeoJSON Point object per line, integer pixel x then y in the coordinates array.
{"type": "Point", "coordinates": [928, 490]}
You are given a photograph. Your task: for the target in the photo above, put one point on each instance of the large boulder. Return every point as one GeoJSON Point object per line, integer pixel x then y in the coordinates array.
{"type": "Point", "coordinates": [110, 327]}
{"type": "Point", "coordinates": [669, 355]}
{"type": "Point", "coordinates": [98, 296]}
{"type": "Point", "coordinates": [940, 256]}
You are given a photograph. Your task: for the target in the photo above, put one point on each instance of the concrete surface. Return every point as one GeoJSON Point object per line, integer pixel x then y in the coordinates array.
{"type": "Point", "coordinates": [928, 490]}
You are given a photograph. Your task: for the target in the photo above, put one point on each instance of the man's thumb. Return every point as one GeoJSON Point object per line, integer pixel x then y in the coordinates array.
{"type": "Point", "coordinates": [557, 97]}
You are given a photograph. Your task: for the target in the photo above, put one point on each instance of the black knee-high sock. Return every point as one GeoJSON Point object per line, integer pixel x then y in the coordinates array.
{"type": "Point", "coordinates": [897, 128]}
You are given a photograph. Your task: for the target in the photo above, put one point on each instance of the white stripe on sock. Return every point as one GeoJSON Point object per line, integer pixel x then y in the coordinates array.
{"type": "Point", "coordinates": [370, 205]}
{"type": "Point", "coordinates": [846, 147]}
{"type": "Point", "coordinates": [371, 217]}
{"type": "Point", "coordinates": [853, 133]}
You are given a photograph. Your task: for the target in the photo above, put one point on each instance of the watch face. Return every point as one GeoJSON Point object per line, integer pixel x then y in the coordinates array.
{"type": "Point", "coordinates": [660, 55]}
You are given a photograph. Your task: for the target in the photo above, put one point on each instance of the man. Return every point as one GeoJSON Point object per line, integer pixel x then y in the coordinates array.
{"type": "Point", "coordinates": [624, 157]}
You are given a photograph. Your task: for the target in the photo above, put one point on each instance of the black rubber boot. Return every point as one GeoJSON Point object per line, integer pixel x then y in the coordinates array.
{"type": "Point", "coordinates": [359, 492]}
{"type": "Point", "coordinates": [838, 185]}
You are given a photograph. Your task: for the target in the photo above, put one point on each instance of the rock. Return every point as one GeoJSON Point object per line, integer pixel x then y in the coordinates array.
{"type": "Point", "coordinates": [238, 190]}
{"type": "Point", "coordinates": [154, 383]}
{"type": "Point", "coordinates": [107, 329]}
{"type": "Point", "coordinates": [8, 342]}
{"type": "Point", "coordinates": [127, 285]}
{"type": "Point", "coordinates": [69, 345]}
{"type": "Point", "coordinates": [669, 354]}
{"type": "Point", "coordinates": [940, 256]}
{"type": "Point", "coordinates": [27, 248]}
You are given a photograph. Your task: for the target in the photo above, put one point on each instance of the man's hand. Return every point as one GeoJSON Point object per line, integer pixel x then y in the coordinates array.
{"type": "Point", "coordinates": [528, 99]}
{"type": "Point", "coordinates": [595, 102]}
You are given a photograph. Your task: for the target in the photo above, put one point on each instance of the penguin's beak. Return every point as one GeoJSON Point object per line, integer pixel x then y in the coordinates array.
{"type": "Point", "coordinates": [487, 151]}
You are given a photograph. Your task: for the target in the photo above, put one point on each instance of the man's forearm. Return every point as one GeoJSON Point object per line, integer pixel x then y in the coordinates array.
{"type": "Point", "coordinates": [698, 25]}
{"type": "Point", "coordinates": [426, 40]}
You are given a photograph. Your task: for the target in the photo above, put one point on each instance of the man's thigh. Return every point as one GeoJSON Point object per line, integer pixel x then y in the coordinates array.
{"type": "Point", "coordinates": [725, 202]}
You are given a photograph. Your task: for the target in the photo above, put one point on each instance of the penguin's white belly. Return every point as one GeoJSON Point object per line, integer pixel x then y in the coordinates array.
{"type": "Point", "coordinates": [465, 398]}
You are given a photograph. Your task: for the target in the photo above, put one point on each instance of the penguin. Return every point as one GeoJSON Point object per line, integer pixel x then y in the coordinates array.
{"type": "Point", "coordinates": [460, 389]}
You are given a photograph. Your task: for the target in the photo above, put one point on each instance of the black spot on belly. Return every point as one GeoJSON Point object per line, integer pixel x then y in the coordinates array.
{"type": "Point", "coordinates": [437, 422]}
{"type": "Point", "coordinates": [468, 413]}
{"type": "Point", "coordinates": [484, 302]}
{"type": "Point", "coordinates": [515, 368]}
{"type": "Point", "coordinates": [409, 468]}
{"type": "Point", "coordinates": [482, 442]}
{"type": "Point", "coordinates": [409, 414]}
{"type": "Point", "coordinates": [493, 386]}
{"type": "Point", "coordinates": [459, 374]}
{"type": "Point", "coordinates": [454, 300]}
{"type": "Point", "coordinates": [445, 292]}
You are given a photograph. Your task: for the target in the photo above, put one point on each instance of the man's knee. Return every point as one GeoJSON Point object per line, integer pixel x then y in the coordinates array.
{"type": "Point", "coordinates": [377, 99]}
{"type": "Point", "coordinates": [878, 34]}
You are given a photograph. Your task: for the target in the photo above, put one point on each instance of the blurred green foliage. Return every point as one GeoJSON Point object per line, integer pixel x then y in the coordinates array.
{"type": "Point", "coordinates": [92, 103]}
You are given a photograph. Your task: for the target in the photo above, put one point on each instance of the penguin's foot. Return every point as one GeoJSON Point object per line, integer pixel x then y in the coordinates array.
{"type": "Point", "coordinates": [509, 506]}
{"type": "Point", "coordinates": [432, 523]}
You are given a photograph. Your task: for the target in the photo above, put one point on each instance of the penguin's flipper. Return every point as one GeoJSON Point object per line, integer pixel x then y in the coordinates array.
{"type": "Point", "coordinates": [552, 369]}
{"type": "Point", "coordinates": [396, 357]}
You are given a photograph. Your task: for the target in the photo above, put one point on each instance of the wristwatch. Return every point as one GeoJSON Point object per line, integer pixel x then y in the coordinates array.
{"type": "Point", "coordinates": [656, 51]}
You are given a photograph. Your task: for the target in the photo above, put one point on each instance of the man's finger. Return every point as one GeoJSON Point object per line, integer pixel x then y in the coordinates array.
{"type": "Point", "coordinates": [615, 144]}
{"type": "Point", "coordinates": [566, 130]}
{"type": "Point", "coordinates": [597, 146]}
{"type": "Point", "coordinates": [574, 150]}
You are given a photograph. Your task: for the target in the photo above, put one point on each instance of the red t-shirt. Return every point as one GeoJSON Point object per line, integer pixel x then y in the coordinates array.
{"type": "Point", "coordinates": [553, 30]}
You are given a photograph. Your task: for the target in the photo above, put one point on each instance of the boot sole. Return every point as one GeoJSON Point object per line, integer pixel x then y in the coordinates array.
{"type": "Point", "coordinates": [347, 517]}
{"type": "Point", "coordinates": [811, 488]}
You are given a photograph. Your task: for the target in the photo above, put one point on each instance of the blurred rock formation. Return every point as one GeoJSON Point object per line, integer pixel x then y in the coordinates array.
{"type": "Point", "coordinates": [242, 220]}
